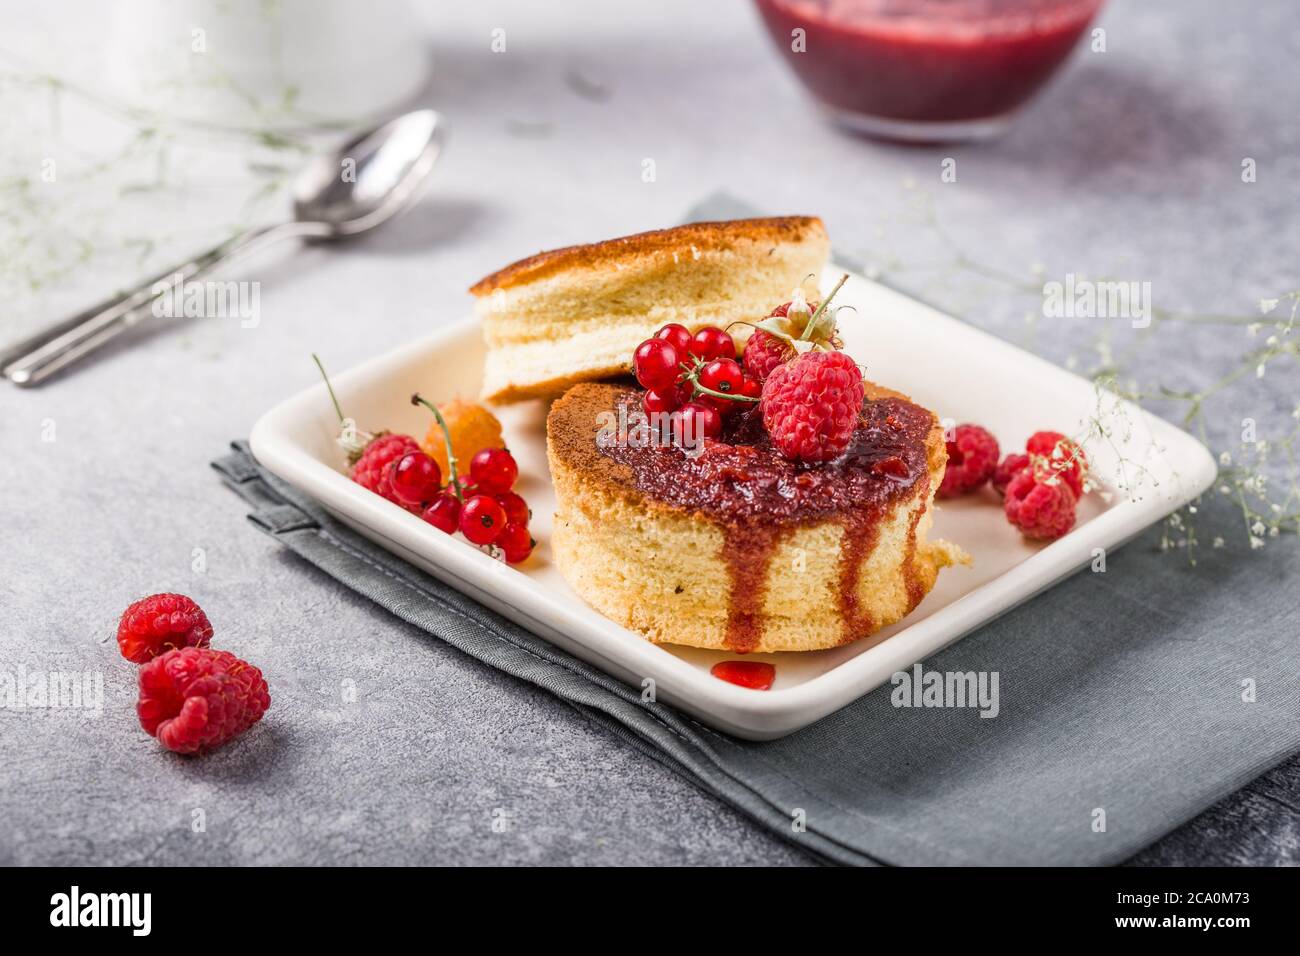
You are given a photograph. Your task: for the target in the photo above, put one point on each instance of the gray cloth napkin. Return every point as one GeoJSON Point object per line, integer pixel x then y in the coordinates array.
{"type": "Point", "coordinates": [1119, 691]}
{"type": "Point", "coordinates": [1121, 707]}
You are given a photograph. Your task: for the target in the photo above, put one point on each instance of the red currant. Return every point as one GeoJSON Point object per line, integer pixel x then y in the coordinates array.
{"type": "Point", "coordinates": [722, 406]}
{"type": "Point", "coordinates": [655, 363]}
{"type": "Point", "coordinates": [415, 478]}
{"type": "Point", "coordinates": [493, 470]}
{"type": "Point", "coordinates": [444, 513]}
{"type": "Point", "coordinates": [694, 421]}
{"type": "Point", "coordinates": [482, 519]}
{"type": "Point", "coordinates": [516, 542]}
{"type": "Point", "coordinates": [723, 375]}
{"type": "Point", "coordinates": [659, 400]}
{"type": "Point", "coordinates": [711, 343]}
{"type": "Point", "coordinates": [679, 335]}
{"type": "Point", "coordinates": [751, 388]}
{"type": "Point", "coordinates": [516, 509]}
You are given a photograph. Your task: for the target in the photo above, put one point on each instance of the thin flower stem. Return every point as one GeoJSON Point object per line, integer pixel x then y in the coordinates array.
{"type": "Point", "coordinates": [446, 438]}
{"type": "Point", "coordinates": [816, 316]}
{"type": "Point", "coordinates": [338, 409]}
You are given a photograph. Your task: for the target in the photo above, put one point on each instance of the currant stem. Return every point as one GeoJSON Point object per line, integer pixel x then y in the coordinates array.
{"type": "Point", "coordinates": [812, 321]}
{"type": "Point", "coordinates": [328, 387]}
{"type": "Point", "coordinates": [693, 376]}
{"type": "Point", "coordinates": [446, 438]}
{"type": "Point", "coordinates": [727, 395]}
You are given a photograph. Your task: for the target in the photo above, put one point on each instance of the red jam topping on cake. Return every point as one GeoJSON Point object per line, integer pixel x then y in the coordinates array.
{"type": "Point", "coordinates": [740, 477]}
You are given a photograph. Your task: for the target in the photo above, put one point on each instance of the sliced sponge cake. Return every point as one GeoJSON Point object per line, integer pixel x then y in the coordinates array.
{"type": "Point", "coordinates": [577, 314]}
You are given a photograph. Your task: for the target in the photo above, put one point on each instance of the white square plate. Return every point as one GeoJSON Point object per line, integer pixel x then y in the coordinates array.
{"type": "Point", "coordinates": [1147, 469]}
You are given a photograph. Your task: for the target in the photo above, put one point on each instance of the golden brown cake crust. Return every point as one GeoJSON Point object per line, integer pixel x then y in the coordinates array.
{"type": "Point", "coordinates": [610, 252]}
{"type": "Point", "coordinates": [571, 428]}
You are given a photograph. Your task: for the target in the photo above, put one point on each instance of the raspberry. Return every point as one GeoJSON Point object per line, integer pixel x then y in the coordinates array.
{"type": "Point", "coordinates": [1011, 466]}
{"type": "Point", "coordinates": [371, 470]}
{"type": "Point", "coordinates": [972, 458]}
{"type": "Point", "coordinates": [472, 428]}
{"type": "Point", "coordinates": [1038, 509]}
{"type": "Point", "coordinates": [811, 405]}
{"type": "Point", "coordinates": [764, 352]}
{"type": "Point", "coordinates": [806, 309]}
{"type": "Point", "coordinates": [195, 698]}
{"type": "Point", "coordinates": [1061, 455]}
{"type": "Point", "coordinates": [159, 623]}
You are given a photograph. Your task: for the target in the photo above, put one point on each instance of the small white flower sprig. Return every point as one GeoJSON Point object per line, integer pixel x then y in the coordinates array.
{"type": "Point", "coordinates": [1270, 507]}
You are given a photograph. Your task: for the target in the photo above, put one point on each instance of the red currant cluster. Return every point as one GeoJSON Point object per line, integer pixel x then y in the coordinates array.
{"type": "Point", "coordinates": [483, 508]}
{"type": "Point", "coordinates": [694, 379]}
{"type": "Point", "coordinates": [806, 392]}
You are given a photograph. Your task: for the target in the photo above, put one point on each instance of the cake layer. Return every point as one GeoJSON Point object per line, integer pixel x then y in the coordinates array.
{"type": "Point", "coordinates": [754, 573]}
{"type": "Point", "coordinates": [577, 314]}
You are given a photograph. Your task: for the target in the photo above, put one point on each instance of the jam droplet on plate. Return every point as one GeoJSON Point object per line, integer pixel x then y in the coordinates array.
{"type": "Point", "coordinates": [755, 675]}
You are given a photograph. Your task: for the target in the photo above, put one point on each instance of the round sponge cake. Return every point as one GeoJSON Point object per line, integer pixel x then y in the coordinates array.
{"type": "Point", "coordinates": [732, 547]}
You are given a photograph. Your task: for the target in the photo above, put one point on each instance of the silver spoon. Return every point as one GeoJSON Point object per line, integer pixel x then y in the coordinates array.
{"type": "Point", "coordinates": [365, 182]}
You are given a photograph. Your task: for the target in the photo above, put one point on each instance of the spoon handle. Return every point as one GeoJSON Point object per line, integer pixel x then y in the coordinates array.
{"type": "Point", "coordinates": [35, 359]}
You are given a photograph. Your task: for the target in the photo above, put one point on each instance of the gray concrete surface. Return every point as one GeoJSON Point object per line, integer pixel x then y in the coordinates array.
{"type": "Point", "coordinates": [1129, 166]}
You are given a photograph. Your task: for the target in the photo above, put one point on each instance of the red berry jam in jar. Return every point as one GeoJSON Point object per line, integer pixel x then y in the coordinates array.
{"type": "Point", "coordinates": [926, 70]}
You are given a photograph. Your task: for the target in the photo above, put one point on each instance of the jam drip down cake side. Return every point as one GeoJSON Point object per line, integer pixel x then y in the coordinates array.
{"type": "Point", "coordinates": [736, 547]}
